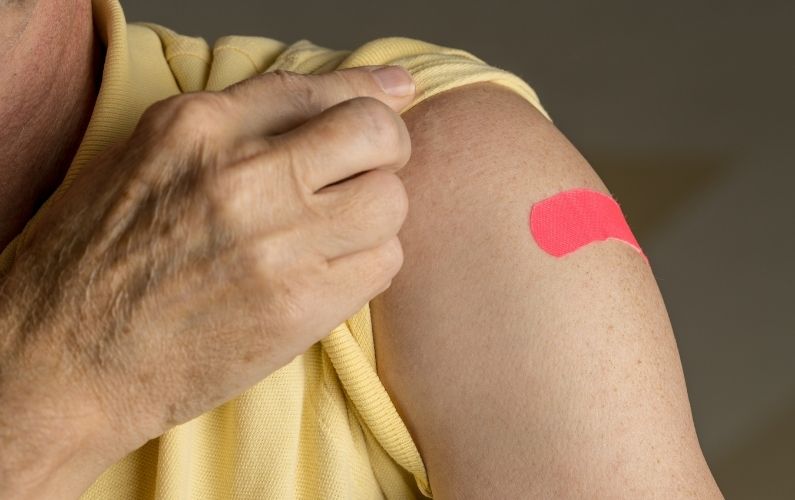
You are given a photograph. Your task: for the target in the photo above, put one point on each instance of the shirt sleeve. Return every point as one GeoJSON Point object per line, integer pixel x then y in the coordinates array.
{"type": "Point", "coordinates": [350, 347]}
{"type": "Point", "coordinates": [435, 68]}
{"type": "Point", "coordinates": [393, 455]}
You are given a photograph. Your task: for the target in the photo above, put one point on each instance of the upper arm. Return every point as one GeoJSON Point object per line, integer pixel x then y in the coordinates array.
{"type": "Point", "coordinates": [519, 373]}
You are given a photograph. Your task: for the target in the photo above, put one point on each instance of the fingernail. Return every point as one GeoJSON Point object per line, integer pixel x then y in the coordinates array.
{"type": "Point", "coordinates": [394, 80]}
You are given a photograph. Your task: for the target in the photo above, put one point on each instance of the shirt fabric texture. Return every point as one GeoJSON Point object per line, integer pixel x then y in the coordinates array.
{"type": "Point", "coordinates": [322, 426]}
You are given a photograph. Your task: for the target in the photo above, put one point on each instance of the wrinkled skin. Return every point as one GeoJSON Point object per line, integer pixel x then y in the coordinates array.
{"type": "Point", "coordinates": [216, 244]}
{"type": "Point", "coordinates": [49, 67]}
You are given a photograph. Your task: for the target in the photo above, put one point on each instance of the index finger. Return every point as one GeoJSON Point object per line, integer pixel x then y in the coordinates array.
{"type": "Point", "coordinates": [276, 102]}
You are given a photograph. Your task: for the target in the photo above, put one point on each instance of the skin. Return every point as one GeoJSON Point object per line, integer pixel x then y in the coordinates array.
{"type": "Point", "coordinates": [573, 359]}
{"type": "Point", "coordinates": [543, 377]}
{"type": "Point", "coordinates": [174, 287]}
{"type": "Point", "coordinates": [44, 114]}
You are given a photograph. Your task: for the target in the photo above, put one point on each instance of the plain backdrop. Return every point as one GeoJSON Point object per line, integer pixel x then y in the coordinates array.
{"type": "Point", "coordinates": [685, 109]}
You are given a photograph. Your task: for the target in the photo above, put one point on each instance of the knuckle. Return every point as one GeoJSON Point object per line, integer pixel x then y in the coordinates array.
{"type": "Point", "coordinates": [283, 279]}
{"type": "Point", "coordinates": [194, 114]}
{"type": "Point", "coordinates": [378, 123]}
{"type": "Point", "coordinates": [272, 261]}
{"type": "Point", "coordinates": [254, 269]}
{"type": "Point", "coordinates": [219, 189]}
{"type": "Point", "coordinates": [260, 262]}
{"type": "Point", "coordinates": [392, 198]}
{"type": "Point", "coordinates": [156, 112]}
{"type": "Point", "coordinates": [391, 257]}
{"type": "Point", "coordinates": [215, 186]}
{"type": "Point", "coordinates": [292, 159]}
{"type": "Point", "coordinates": [304, 95]}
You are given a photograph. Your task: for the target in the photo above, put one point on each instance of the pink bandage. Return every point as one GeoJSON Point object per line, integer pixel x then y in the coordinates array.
{"type": "Point", "coordinates": [572, 219]}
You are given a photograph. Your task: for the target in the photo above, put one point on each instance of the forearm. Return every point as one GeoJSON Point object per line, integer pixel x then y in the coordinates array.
{"type": "Point", "coordinates": [38, 465]}
{"type": "Point", "coordinates": [54, 443]}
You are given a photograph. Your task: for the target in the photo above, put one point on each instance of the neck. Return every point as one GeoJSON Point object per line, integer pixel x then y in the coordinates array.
{"type": "Point", "coordinates": [56, 68]}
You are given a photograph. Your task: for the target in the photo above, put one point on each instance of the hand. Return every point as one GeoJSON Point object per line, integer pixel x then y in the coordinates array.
{"type": "Point", "coordinates": [232, 231]}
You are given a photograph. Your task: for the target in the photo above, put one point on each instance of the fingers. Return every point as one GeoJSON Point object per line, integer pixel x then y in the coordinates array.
{"type": "Point", "coordinates": [348, 217]}
{"type": "Point", "coordinates": [351, 137]}
{"type": "Point", "coordinates": [353, 280]}
{"type": "Point", "coordinates": [370, 271]}
{"type": "Point", "coordinates": [361, 213]}
{"type": "Point", "coordinates": [311, 296]}
{"type": "Point", "coordinates": [278, 101]}
{"type": "Point", "coordinates": [311, 169]}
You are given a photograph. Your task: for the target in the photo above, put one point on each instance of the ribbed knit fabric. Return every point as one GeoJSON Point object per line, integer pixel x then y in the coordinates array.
{"type": "Point", "coordinates": [322, 426]}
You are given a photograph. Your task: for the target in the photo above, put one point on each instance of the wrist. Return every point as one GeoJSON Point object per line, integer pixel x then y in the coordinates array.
{"type": "Point", "coordinates": [48, 450]}
{"type": "Point", "coordinates": [54, 441]}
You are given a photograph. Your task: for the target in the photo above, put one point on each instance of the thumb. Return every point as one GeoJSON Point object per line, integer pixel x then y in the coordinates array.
{"type": "Point", "coordinates": [275, 102]}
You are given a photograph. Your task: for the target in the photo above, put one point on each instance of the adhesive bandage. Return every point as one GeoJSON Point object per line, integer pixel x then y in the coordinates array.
{"type": "Point", "coordinates": [572, 219]}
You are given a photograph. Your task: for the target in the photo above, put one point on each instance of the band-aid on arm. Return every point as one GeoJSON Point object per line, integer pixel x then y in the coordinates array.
{"type": "Point", "coordinates": [572, 219]}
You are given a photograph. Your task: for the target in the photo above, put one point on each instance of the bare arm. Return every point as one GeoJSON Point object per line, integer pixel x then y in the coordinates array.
{"type": "Point", "coordinates": [520, 374]}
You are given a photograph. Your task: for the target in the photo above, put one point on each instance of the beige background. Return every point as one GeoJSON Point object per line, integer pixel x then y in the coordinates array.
{"type": "Point", "coordinates": [686, 111]}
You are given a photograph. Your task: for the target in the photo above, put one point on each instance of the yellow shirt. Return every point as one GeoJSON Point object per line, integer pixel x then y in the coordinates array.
{"type": "Point", "coordinates": [322, 426]}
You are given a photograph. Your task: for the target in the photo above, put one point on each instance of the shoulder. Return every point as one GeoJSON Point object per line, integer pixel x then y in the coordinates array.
{"type": "Point", "coordinates": [438, 68]}
{"type": "Point", "coordinates": [435, 68]}
{"type": "Point", "coordinates": [540, 376]}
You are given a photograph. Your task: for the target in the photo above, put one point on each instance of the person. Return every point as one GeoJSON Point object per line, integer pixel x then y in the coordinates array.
{"type": "Point", "coordinates": [261, 271]}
